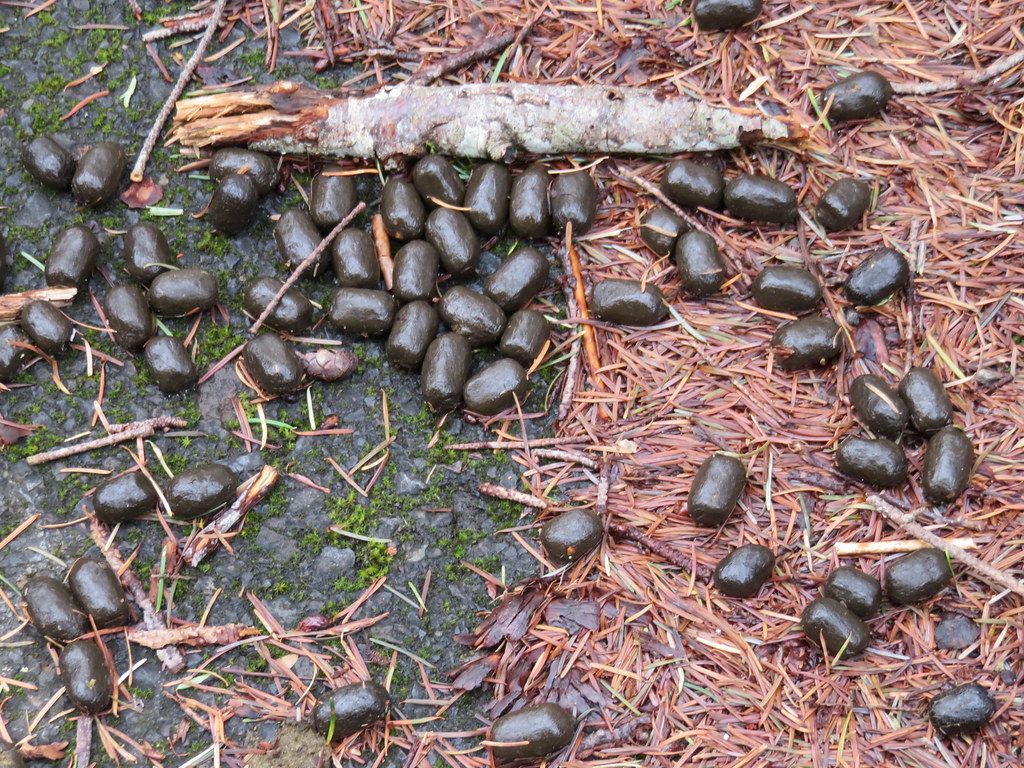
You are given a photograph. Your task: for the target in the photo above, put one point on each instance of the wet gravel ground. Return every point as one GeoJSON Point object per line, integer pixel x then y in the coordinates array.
{"type": "Point", "coordinates": [425, 504]}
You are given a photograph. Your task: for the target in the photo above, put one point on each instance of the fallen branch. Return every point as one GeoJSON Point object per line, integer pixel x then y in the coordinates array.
{"type": "Point", "coordinates": [139, 170]}
{"type": "Point", "coordinates": [250, 493]}
{"type": "Point", "coordinates": [306, 263]}
{"type": "Point", "coordinates": [12, 303]}
{"type": "Point", "coordinates": [966, 80]}
{"type": "Point", "coordinates": [500, 492]}
{"type": "Point", "coordinates": [638, 537]}
{"type": "Point", "coordinates": [196, 637]}
{"type": "Point", "coordinates": [905, 520]}
{"type": "Point", "coordinates": [145, 428]}
{"type": "Point", "coordinates": [171, 657]}
{"type": "Point", "coordinates": [480, 120]}
{"type": "Point", "coordinates": [848, 548]}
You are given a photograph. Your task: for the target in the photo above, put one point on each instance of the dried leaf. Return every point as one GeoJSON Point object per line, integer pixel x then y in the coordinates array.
{"type": "Point", "coordinates": [11, 432]}
{"type": "Point", "coordinates": [142, 194]}
{"type": "Point", "coordinates": [573, 615]}
{"type": "Point", "coordinates": [510, 620]}
{"type": "Point", "coordinates": [195, 636]}
{"type": "Point", "coordinates": [469, 676]}
{"type": "Point", "coordinates": [53, 751]}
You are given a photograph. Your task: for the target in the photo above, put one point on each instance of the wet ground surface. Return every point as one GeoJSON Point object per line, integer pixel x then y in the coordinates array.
{"type": "Point", "coordinates": [425, 504]}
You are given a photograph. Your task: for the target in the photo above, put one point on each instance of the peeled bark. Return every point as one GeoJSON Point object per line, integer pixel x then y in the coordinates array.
{"type": "Point", "coordinates": [492, 121]}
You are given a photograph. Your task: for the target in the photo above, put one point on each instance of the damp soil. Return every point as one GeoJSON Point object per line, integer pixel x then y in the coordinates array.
{"type": "Point", "coordinates": [424, 514]}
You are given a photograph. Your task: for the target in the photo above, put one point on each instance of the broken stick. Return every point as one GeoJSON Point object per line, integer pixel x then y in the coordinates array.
{"type": "Point", "coordinates": [481, 120]}
{"type": "Point", "coordinates": [171, 657]}
{"type": "Point", "coordinates": [12, 304]}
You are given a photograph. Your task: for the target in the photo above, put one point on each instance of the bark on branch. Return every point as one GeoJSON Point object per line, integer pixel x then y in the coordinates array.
{"type": "Point", "coordinates": [480, 120]}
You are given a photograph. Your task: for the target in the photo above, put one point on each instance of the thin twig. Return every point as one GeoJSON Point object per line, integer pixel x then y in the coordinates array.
{"type": "Point", "coordinates": [498, 445]}
{"type": "Point", "coordinates": [562, 455]}
{"type": "Point", "coordinates": [178, 27]}
{"type": "Point", "coordinates": [134, 5]}
{"type": "Point", "coordinates": [665, 551]}
{"type": "Point", "coordinates": [661, 197]}
{"type": "Point", "coordinates": [138, 172]}
{"type": "Point", "coordinates": [580, 294]}
{"type": "Point", "coordinates": [500, 492]}
{"type": "Point", "coordinates": [140, 429]}
{"type": "Point", "coordinates": [171, 657]}
{"type": "Point", "coordinates": [482, 50]}
{"type": "Point", "coordinates": [306, 263]}
{"type": "Point", "coordinates": [905, 520]}
{"type": "Point", "coordinates": [965, 80]}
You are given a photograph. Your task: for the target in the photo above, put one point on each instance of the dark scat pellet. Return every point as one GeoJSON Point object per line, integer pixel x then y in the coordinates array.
{"type": "Point", "coordinates": [760, 199]}
{"type": "Point", "coordinates": [725, 14]}
{"type": "Point", "coordinates": [146, 251]}
{"type": "Point", "coordinates": [48, 163]}
{"type": "Point", "coordinates": [415, 273]}
{"type": "Point", "coordinates": [402, 209]}
{"type": "Point", "coordinates": [858, 591]}
{"type": "Point", "coordinates": [917, 576]}
{"type": "Point", "coordinates": [786, 288]}
{"type": "Point", "coordinates": [47, 326]}
{"type": "Point", "coordinates": [261, 168]}
{"type": "Point", "coordinates": [808, 342]}
{"type": "Point", "coordinates": [52, 608]}
{"type": "Point", "coordinates": [840, 628]}
{"type": "Point", "coordinates": [86, 678]}
{"type": "Point", "coordinates": [355, 259]}
{"type": "Point", "coordinates": [434, 178]}
{"type": "Point", "coordinates": [99, 592]}
{"type": "Point", "coordinates": [178, 292]}
{"type": "Point", "coordinates": [232, 205]}
{"type": "Point", "coordinates": [518, 279]}
{"type": "Point", "coordinates": [690, 184]}
{"type": "Point", "coordinates": [11, 357]}
{"type": "Point", "coordinates": [572, 535]}
{"type": "Point", "coordinates": [879, 463]}
{"type": "Point", "coordinates": [123, 498]}
{"type": "Point", "coordinates": [742, 572]}
{"type": "Point", "coordinates": [129, 316]}
{"type": "Point", "coordinates": [716, 489]}
{"type": "Point", "coordinates": [495, 388]}
{"type": "Point", "coordinates": [472, 315]}
{"type": "Point", "coordinates": [98, 174]}
{"type": "Point", "coordinates": [524, 336]}
{"type": "Point", "coordinates": [292, 314]}
{"type": "Point", "coordinates": [878, 406]}
{"type": "Point", "coordinates": [860, 95]}
{"type": "Point", "coordinates": [878, 277]}
{"type": "Point", "coordinates": [487, 197]}
{"type": "Point", "coordinates": [444, 371]}
{"type": "Point", "coordinates": [171, 365]}
{"type": "Point", "coordinates": [659, 229]}
{"type": "Point", "coordinates": [962, 709]}
{"type": "Point", "coordinates": [296, 237]}
{"type": "Point", "coordinates": [273, 364]}
{"type": "Point", "coordinates": [842, 204]}
{"type": "Point", "coordinates": [414, 328]}
{"type": "Point", "coordinates": [199, 491]}
{"type": "Point", "coordinates": [455, 240]}
{"type": "Point", "coordinates": [948, 465]}
{"type": "Point", "coordinates": [349, 709]}
{"type": "Point", "coordinates": [700, 265]}
{"type": "Point", "coordinates": [331, 198]}
{"type": "Point", "coordinates": [72, 258]}
{"type": "Point", "coordinates": [574, 198]}
{"type": "Point", "coordinates": [362, 311]}
{"type": "Point", "coordinates": [628, 302]}
{"type": "Point", "coordinates": [529, 210]}
{"type": "Point", "coordinates": [927, 400]}
{"type": "Point", "coordinates": [544, 727]}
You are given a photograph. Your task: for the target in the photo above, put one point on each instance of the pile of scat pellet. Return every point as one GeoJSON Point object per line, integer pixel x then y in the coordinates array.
{"type": "Point", "coordinates": [440, 223]}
